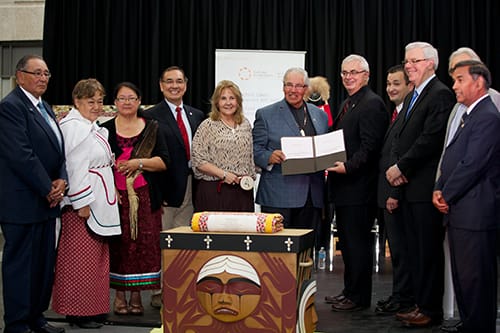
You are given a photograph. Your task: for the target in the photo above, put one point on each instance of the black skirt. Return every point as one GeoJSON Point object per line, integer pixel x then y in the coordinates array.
{"type": "Point", "coordinates": [219, 196]}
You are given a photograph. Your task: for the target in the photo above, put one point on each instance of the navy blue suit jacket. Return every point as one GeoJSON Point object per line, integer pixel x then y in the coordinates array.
{"type": "Point", "coordinates": [30, 159]}
{"type": "Point", "coordinates": [276, 190]}
{"type": "Point", "coordinates": [470, 171]}
{"type": "Point", "coordinates": [175, 178]}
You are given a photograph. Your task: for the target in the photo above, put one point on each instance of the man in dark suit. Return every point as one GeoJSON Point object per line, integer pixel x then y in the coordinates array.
{"type": "Point", "coordinates": [467, 192]}
{"type": "Point", "coordinates": [299, 198]}
{"type": "Point", "coordinates": [177, 122]}
{"type": "Point", "coordinates": [352, 184]}
{"type": "Point", "coordinates": [32, 184]}
{"type": "Point", "coordinates": [177, 191]}
{"type": "Point", "coordinates": [398, 87]}
{"type": "Point", "coordinates": [416, 149]}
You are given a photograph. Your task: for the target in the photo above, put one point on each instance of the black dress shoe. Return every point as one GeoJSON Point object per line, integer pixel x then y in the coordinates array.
{"type": "Point", "coordinates": [452, 326]}
{"type": "Point", "coordinates": [390, 308]}
{"type": "Point", "coordinates": [384, 301]}
{"type": "Point", "coordinates": [47, 328]}
{"type": "Point", "coordinates": [347, 306]}
{"type": "Point", "coordinates": [335, 299]}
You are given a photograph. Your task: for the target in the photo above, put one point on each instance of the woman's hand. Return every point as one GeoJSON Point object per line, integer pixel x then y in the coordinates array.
{"type": "Point", "coordinates": [128, 167]}
{"type": "Point", "coordinates": [84, 212]}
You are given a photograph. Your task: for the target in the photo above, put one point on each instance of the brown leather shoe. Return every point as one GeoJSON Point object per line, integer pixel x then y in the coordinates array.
{"type": "Point", "coordinates": [408, 314]}
{"type": "Point", "coordinates": [346, 306]}
{"type": "Point", "coordinates": [334, 299]}
{"type": "Point", "coordinates": [418, 320]}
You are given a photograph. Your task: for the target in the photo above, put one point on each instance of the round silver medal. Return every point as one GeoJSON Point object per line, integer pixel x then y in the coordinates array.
{"type": "Point", "coordinates": [246, 183]}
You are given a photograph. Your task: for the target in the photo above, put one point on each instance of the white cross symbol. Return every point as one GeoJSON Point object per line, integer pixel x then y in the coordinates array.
{"type": "Point", "coordinates": [288, 243]}
{"type": "Point", "coordinates": [208, 240]}
{"type": "Point", "coordinates": [248, 241]}
{"type": "Point", "coordinates": [169, 241]}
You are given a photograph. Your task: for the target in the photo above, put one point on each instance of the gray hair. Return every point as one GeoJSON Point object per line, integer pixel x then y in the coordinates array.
{"type": "Point", "coordinates": [463, 50]}
{"type": "Point", "coordinates": [429, 51]}
{"type": "Point", "coordinates": [298, 70]}
{"type": "Point", "coordinates": [358, 58]}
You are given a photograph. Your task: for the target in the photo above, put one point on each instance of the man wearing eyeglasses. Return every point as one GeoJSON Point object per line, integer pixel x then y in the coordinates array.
{"type": "Point", "coordinates": [416, 149]}
{"type": "Point", "coordinates": [299, 198]}
{"type": "Point", "coordinates": [32, 184]}
{"type": "Point", "coordinates": [352, 184]}
{"type": "Point", "coordinates": [178, 122]}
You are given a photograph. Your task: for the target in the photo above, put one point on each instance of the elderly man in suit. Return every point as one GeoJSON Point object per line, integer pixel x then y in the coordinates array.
{"type": "Point", "coordinates": [468, 192]}
{"type": "Point", "coordinates": [416, 148]}
{"type": "Point", "coordinates": [32, 184]}
{"type": "Point", "coordinates": [352, 184]}
{"type": "Point", "coordinates": [299, 198]}
{"type": "Point", "coordinates": [177, 122]}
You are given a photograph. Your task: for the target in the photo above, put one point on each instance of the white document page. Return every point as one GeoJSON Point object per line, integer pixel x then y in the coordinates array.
{"type": "Point", "coordinates": [297, 147]}
{"type": "Point", "coordinates": [329, 143]}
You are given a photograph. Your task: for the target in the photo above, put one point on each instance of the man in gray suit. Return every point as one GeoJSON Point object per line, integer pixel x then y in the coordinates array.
{"type": "Point", "coordinates": [299, 198]}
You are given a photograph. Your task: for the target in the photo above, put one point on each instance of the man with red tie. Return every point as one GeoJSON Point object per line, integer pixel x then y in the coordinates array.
{"type": "Point", "coordinates": [177, 122]}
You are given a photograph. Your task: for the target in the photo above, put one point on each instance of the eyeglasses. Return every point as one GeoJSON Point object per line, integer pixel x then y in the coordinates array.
{"type": "Point", "coordinates": [127, 99]}
{"type": "Point", "coordinates": [413, 61]}
{"type": "Point", "coordinates": [290, 85]}
{"type": "Point", "coordinates": [171, 82]}
{"type": "Point", "coordinates": [37, 74]}
{"type": "Point", "coordinates": [351, 73]}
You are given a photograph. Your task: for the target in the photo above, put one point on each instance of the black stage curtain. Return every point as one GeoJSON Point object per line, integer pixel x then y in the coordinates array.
{"type": "Point", "coordinates": [134, 40]}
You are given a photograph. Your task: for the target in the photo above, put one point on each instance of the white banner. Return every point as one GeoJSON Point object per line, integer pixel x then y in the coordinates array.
{"type": "Point", "coordinates": [258, 73]}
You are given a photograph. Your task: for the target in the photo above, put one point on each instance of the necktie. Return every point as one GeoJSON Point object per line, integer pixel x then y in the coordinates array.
{"type": "Point", "coordinates": [44, 113]}
{"type": "Point", "coordinates": [344, 110]}
{"type": "Point", "coordinates": [412, 101]}
{"type": "Point", "coordinates": [394, 115]}
{"type": "Point", "coordinates": [51, 122]}
{"type": "Point", "coordinates": [183, 130]}
{"type": "Point", "coordinates": [464, 119]}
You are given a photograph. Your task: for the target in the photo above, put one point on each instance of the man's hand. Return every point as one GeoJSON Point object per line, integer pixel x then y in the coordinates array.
{"type": "Point", "coordinates": [276, 157]}
{"type": "Point", "coordinates": [338, 167]}
{"type": "Point", "coordinates": [395, 177]}
{"type": "Point", "coordinates": [56, 193]}
{"type": "Point", "coordinates": [439, 202]}
{"type": "Point", "coordinates": [391, 204]}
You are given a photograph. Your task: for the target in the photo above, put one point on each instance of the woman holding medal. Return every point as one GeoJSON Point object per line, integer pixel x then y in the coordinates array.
{"type": "Point", "coordinates": [222, 155]}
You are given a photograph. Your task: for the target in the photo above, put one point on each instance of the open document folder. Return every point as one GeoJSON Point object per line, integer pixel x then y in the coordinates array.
{"type": "Point", "coordinates": [307, 154]}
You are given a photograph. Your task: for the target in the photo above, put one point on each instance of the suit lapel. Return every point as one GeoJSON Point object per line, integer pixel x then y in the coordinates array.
{"type": "Point", "coordinates": [288, 118]}
{"type": "Point", "coordinates": [42, 122]}
{"type": "Point", "coordinates": [171, 122]}
{"type": "Point", "coordinates": [415, 106]}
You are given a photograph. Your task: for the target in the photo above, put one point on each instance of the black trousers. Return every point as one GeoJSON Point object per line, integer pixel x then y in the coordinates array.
{"type": "Point", "coordinates": [402, 289]}
{"type": "Point", "coordinates": [474, 270]}
{"type": "Point", "coordinates": [354, 224]}
{"type": "Point", "coordinates": [27, 273]}
{"type": "Point", "coordinates": [425, 234]}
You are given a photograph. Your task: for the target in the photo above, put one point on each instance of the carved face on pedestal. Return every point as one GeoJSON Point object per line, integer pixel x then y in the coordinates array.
{"type": "Point", "coordinates": [228, 288]}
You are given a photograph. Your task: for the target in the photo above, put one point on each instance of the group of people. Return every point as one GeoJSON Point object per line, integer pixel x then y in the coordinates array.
{"type": "Point", "coordinates": [428, 165]}
{"type": "Point", "coordinates": [434, 169]}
